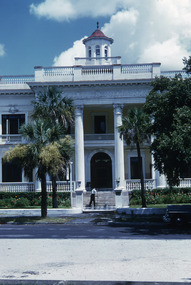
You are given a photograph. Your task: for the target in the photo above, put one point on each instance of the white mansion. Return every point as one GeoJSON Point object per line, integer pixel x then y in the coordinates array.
{"type": "Point", "coordinates": [102, 90]}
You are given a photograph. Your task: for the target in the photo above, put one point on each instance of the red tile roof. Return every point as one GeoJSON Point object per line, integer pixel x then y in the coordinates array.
{"type": "Point", "coordinates": [97, 34]}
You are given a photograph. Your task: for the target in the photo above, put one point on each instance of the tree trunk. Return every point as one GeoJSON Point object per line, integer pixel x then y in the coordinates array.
{"type": "Point", "coordinates": [54, 195]}
{"type": "Point", "coordinates": [141, 176]}
{"type": "Point", "coordinates": [44, 196]}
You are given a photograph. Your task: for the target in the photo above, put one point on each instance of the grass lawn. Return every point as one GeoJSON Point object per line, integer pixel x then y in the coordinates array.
{"type": "Point", "coordinates": [35, 220]}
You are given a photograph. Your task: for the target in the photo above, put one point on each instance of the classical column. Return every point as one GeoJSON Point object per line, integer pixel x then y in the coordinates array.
{"type": "Point", "coordinates": [79, 148]}
{"type": "Point", "coordinates": [119, 147]}
{"type": "Point", "coordinates": [159, 180]}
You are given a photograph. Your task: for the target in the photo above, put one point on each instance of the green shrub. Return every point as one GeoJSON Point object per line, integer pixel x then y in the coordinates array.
{"type": "Point", "coordinates": [22, 203]}
{"type": "Point", "coordinates": [162, 196]}
{"type": "Point", "coordinates": [31, 199]}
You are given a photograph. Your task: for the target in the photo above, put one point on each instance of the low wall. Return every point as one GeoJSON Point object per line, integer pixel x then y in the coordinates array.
{"type": "Point", "coordinates": [141, 211]}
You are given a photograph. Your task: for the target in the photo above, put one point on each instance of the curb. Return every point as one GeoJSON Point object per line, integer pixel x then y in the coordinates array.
{"type": "Point", "coordinates": [86, 282]}
{"type": "Point", "coordinates": [37, 212]}
{"type": "Point", "coordinates": [141, 211]}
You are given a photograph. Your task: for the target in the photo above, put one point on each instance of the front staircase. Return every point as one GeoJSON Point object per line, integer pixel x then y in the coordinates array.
{"type": "Point", "coordinates": [104, 199]}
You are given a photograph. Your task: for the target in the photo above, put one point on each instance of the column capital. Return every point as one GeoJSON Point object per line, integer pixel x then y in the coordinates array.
{"type": "Point", "coordinates": [118, 108]}
{"type": "Point", "coordinates": [79, 110]}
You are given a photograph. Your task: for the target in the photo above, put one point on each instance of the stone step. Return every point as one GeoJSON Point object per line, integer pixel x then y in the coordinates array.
{"type": "Point", "coordinates": [102, 198]}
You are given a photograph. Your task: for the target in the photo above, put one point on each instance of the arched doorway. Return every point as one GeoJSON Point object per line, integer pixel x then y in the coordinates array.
{"type": "Point", "coordinates": [101, 171]}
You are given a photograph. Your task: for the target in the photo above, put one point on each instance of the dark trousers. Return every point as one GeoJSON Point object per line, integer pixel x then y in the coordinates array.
{"type": "Point", "coordinates": [92, 199]}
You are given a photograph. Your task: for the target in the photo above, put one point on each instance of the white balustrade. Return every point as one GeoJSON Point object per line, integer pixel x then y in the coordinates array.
{"type": "Point", "coordinates": [97, 71]}
{"type": "Point", "coordinates": [11, 139]}
{"type": "Point", "coordinates": [135, 184]}
{"type": "Point", "coordinates": [185, 183]}
{"type": "Point", "coordinates": [136, 68]}
{"type": "Point", "coordinates": [17, 187]}
{"type": "Point", "coordinates": [172, 74]}
{"type": "Point", "coordinates": [95, 137]}
{"type": "Point", "coordinates": [62, 186]}
{"type": "Point", "coordinates": [58, 71]}
{"type": "Point", "coordinates": [19, 79]}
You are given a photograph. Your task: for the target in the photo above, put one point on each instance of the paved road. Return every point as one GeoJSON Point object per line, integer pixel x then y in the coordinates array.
{"type": "Point", "coordinates": [99, 230]}
{"type": "Point", "coordinates": [95, 249]}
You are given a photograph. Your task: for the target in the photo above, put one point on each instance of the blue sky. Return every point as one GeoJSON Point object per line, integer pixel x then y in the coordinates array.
{"type": "Point", "coordinates": [32, 41]}
{"type": "Point", "coordinates": [50, 32]}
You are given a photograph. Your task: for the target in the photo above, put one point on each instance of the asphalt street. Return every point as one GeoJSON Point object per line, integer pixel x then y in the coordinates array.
{"type": "Point", "coordinates": [98, 230]}
{"type": "Point", "coordinates": [96, 248]}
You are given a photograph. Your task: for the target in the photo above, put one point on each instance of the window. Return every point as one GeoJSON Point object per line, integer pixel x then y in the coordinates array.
{"type": "Point", "coordinates": [89, 52]}
{"type": "Point", "coordinates": [11, 172]}
{"type": "Point", "coordinates": [134, 168]}
{"type": "Point", "coordinates": [97, 51]}
{"type": "Point", "coordinates": [99, 125]}
{"type": "Point", "coordinates": [12, 123]}
{"type": "Point", "coordinates": [106, 52]}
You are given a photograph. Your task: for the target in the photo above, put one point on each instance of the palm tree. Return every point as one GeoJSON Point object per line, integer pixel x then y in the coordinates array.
{"type": "Point", "coordinates": [134, 131]}
{"type": "Point", "coordinates": [30, 156]}
{"type": "Point", "coordinates": [50, 105]}
{"type": "Point", "coordinates": [55, 156]}
{"type": "Point", "coordinates": [57, 110]}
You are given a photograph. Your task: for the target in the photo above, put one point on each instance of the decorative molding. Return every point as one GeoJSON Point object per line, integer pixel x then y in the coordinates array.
{"type": "Point", "coordinates": [13, 109]}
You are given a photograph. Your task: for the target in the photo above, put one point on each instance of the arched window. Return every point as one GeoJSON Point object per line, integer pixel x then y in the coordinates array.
{"type": "Point", "coordinates": [97, 51]}
{"type": "Point", "coordinates": [89, 52]}
{"type": "Point", "coordinates": [106, 52]}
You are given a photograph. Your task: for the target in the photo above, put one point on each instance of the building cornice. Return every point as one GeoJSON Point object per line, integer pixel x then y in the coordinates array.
{"type": "Point", "coordinates": [95, 83]}
{"type": "Point", "coordinates": [15, 92]}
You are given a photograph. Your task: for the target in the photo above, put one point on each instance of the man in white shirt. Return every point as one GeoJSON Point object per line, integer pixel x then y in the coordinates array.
{"type": "Point", "coordinates": [92, 198]}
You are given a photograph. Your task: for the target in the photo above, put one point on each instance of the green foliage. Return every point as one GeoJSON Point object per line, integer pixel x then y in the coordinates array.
{"type": "Point", "coordinates": [187, 63]}
{"type": "Point", "coordinates": [162, 196]}
{"type": "Point", "coordinates": [134, 126]}
{"type": "Point", "coordinates": [31, 199]}
{"type": "Point", "coordinates": [169, 106]}
{"type": "Point", "coordinates": [56, 155]}
{"type": "Point", "coordinates": [50, 104]}
{"type": "Point", "coordinates": [46, 149]}
{"type": "Point", "coordinates": [134, 130]}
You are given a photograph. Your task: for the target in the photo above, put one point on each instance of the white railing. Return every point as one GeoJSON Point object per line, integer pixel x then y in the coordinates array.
{"type": "Point", "coordinates": [62, 186]}
{"type": "Point", "coordinates": [93, 137]}
{"type": "Point", "coordinates": [11, 139]}
{"type": "Point", "coordinates": [58, 71]}
{"type": "Point", "coordinates": [185, 183]}
{"type": "Point", "coordinates": [97, 60]}
{"type": "Point", "coordinates": [135, 184]}
{"type": "Point", "coordinates": [136, 68]}
{"type": "Point", "coordinates": [17, 187]}
{"type": "Point", "coordinates": [172, 74]}
{"type": "Point", "coordinates": [97, 70]}
{"type": "Point", "coordinates": [17, 79]}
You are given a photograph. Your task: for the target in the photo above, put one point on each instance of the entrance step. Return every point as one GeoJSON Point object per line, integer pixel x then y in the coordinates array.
{"type": "Point", "coordinates": [103, 199]}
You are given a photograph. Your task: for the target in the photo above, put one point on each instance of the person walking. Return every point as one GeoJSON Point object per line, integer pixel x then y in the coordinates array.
{"type": "Point", "coordinates": [92, 197]}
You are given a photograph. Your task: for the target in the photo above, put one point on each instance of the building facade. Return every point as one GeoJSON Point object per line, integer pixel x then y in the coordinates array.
{"type": "Point", "coordinates": [102, 90]}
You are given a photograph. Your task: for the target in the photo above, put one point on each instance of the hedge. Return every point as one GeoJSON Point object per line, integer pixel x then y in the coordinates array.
{"type": "Point", "coordinates": [31, 199]}
{"type": "Point", "coordinates": [162, 196]}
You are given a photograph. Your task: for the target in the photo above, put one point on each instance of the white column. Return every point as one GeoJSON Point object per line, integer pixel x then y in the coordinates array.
{"type": "Point", "coordinates": [119, 148]}
{"type": "Point", "coordinates": [159, 180]}
{"type": "Point", "coordinates": [79, 148]}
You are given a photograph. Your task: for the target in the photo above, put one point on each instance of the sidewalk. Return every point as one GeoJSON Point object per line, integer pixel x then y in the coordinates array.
{"type": "Point", "coordinates": [37, 212]}
{"type": "Point", "coordinates": [73, 211]}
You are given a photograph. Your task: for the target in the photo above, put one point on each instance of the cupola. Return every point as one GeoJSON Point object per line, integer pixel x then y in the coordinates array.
{"type": "Point", "coordinates": [98, 45]}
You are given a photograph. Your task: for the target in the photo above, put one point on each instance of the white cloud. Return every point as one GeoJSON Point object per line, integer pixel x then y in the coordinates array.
{"type": "Point", "coordinates": [143, 31]}
{"type": "Point", "coordinates": [152, 30]}
{"type": "Point", "coordinates": [62, 10]}
{"type": "Point", "coordinates": [2, 50]}
{"type": "Point", "coordinates": [168, 52]}
{"type": "Point", "coordinates": [66, 58]}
